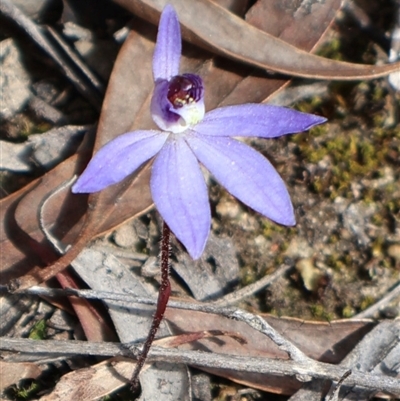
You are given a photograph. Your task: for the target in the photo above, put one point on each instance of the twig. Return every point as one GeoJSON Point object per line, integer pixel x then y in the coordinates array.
{"type": "Point", "coordinates": [199, 359]}
{"type": "Point", "coordinates": [333, 395]}
{"type": "Point", "coordinates": [94, 80]}
{"type": "Point", "coordinates": [77, 78]}
{"type": "Point", "coordinates": [252, 320]}
{"type": "Point", "coordinates": [251, 289]}
{"type": "Point", "coordinates": [259, 324]}
{"type": "Point", "coordinates": [376, 307]}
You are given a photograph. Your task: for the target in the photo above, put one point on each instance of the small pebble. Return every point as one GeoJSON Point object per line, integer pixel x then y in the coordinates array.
{"type": "Point", "coordinates": [227, 208]}
{"type": "Point", "coordinates": [125, 236]}
{"type": "Point", "coordinates": [14, 80]}
{"type": "Point", "coordinates": [151, 267]}
{"type": "Point", "coordinates": [299, 248]}
{"type": "Point", "coordinates": [394, 252]}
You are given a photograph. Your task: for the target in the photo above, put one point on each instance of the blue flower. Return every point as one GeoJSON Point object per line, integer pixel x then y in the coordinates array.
{"type": "Point", "coordinates": [189, 137]}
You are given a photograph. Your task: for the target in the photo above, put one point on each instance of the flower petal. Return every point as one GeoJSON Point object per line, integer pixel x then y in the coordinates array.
{"type": "Point", "coordinates": [180, 194]}
{"type": "Point", "coordinates": [246, 174]}
{"type": "Point", "coordinates": [260, 120]}
{"type": "Point", "coordinates": [161, 108]}
{"type": "Point", "coordinates": [119, 158]}
{"type": "Point", "coordinates": [168, 48]}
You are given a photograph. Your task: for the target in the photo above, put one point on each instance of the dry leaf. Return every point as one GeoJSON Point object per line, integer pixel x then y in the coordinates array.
{"type": "Point", "coordinates": [213, 27]}
{"type": "Point", "coordinates": [92, 383]}
{"type": "Point", "coordinates": [12, 373]}
{"type": "Point", "coordinates": [326, 342]}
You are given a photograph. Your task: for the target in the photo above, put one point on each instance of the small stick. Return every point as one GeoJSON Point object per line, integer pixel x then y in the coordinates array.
{"type": "Point", "coordinates": [235, 297]}
{"type": "Point", "coordinates": [262, 365]}
{"type": "Point", "coordinates": [163, 297]}
{"type": "Point", "coordinates": [376, 307]}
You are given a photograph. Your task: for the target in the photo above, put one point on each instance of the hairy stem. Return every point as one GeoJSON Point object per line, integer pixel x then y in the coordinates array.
{"type": "Point", "coordinates": [163, 297]}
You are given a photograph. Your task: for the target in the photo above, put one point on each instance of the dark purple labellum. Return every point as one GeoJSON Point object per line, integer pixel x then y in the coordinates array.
{"type": "Point", "coordinates": [184, 89]}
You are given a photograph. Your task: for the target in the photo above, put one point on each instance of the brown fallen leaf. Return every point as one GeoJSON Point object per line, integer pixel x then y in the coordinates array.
{"type": "Point", "coordinates": [94, 325]}
{"type": "Point", "coordinates": [325, 342]}
{"type": "Point", "coordinates": [13, 241]}
{"type": "Point", "coordinates": [207, 24]}
{"type": "Point", "coordinates": [22, 243]}
{"type": "Point", "coordinates": [298, 23]}
{"type": "Point", "coordinates": [12, 373]}
{"type": "Point", "coordinates": [303, 28]}
{"type": "Point", "coordinates": [92, 383]}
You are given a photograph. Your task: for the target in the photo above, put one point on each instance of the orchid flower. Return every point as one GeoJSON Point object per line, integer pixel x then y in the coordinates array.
{"type": "Point", "coordinates": [189, 137]}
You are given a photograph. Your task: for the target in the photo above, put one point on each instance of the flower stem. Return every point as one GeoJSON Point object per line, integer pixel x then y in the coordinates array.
{"type": "Point", "coordinates": [163, 297]}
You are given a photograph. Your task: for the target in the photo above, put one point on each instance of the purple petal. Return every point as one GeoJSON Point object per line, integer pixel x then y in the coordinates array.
{"type": "Point", "coordinates": [168, 48]}
{"type": "Point", "coordinates": [246, 174]}
{"type": "Point", "coordinates": [161, 108]}
{"type": "Point", "coordinates": [256, 120]}
{"type": "Point", "coordinates": [119, 158]}
{"type": "Point", "coordinates": [180, 194]}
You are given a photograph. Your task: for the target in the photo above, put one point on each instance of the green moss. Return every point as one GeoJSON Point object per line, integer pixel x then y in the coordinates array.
{"type": "Point", "coordinates": [378, 219]}
{"type": "Point", "coordinates": [28, 126]}
{"type": "Point", "coordinates": [339, 261]}
{"type": "Point", "coordinates": [270, 229]}
{"type": "Point", "coordinates": [348, 157]}
{"type": "Point", "coordinates": [310, 106]}
{"type": "Point", "coordinates": [348, 311]}
{"type": "Point", "coordinates": [25, 392]}
{"type": "Point", "coordinates": [393, 206]}
{"type": "Point", "coordinates": [378, 93]}
{"type": "Point", "coordinates": [333, 239]}
{"type": "Point", "coordinates": [367, 302]}
{"type": "Point", "coordinates": [38, 331]}
{"type": "Point", "coordinates": [248, 276]}
{"type": "Point", "coordinates": [335, 262]}
{"type": "Point", "coordinates": [332, 50]}
{"type": "Point", "coordinates": [377, 247]}
{"type": "Point", "coordinates": [318, 311]}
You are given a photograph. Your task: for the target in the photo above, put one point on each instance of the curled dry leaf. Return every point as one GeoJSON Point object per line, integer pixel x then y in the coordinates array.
{"type": "Point", "coordinates": [301, 26]}
{"type": "Point", "coordinates": [207, 24]}
{"type": "Point", "coordinates": [22, 240]}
